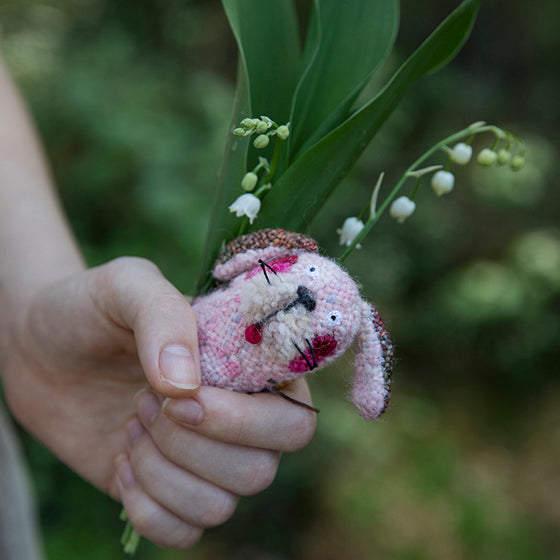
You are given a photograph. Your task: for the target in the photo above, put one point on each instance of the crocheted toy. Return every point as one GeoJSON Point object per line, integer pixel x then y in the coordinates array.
{"type": "Point", "coordinates": [280, 311]}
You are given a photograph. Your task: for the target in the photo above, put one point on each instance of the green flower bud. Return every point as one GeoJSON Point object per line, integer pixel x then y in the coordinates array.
{"type": "Point", "coordinates": [249, 182]}
{"type": "Point", "coordinates": [283, 132]}
{"type": "Point", "coordinates": [268, 121]}
{"type": "Point", "coordinates": [504, 156]}
{"type": "Point", "coordinates": [261, 141]}
{"type": "Point", "coordinates": [487, 157]}
{"type": "Point", "coordinates": [247, 123]}
{"type": "Point", "coordinates": [517, 162]}
{"type": "Point", "coordinates": [239, 131]}
{"type": "Point", "coordinates": [261, 127]}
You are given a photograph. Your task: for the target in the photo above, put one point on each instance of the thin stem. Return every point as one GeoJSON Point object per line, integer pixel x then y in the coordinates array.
{"type": "Point", "coordinates": [274, 162]}
{"type": "Point", "coordinates": [449, 140]}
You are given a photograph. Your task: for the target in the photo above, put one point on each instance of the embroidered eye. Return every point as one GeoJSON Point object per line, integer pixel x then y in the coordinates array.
{"type": "Point", "coordinates": [334, 318]}
{"type": "Point", "coordinates": [312, 270]}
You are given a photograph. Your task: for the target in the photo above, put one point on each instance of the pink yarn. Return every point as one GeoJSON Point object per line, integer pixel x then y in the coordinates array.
{"type": "Point", "coordinates": [282, 312]}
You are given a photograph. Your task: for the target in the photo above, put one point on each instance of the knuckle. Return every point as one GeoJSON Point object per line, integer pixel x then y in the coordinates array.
{"type": "Point", "coordinates": [219, 508]}
{"type": "Point", "coordinates": [260, 474]}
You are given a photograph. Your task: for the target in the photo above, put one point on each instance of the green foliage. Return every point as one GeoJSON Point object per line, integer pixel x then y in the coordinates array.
{"type": "Point", "coordinates": [133, 106]}
{"type": "Point", "coordinates": [323, 98]}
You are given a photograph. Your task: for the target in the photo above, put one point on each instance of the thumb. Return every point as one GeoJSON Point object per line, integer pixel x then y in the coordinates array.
{"type": "Point", "coordinates": [163, 323]}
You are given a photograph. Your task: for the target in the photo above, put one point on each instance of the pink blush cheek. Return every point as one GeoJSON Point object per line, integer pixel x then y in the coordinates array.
{"type": "Point", "coordinates": [253, 334]}
{"type": "Point", "coordinates": [283, 264]}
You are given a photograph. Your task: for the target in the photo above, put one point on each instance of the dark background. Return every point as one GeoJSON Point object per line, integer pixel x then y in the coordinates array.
{"type": "Point", "coordinates": [133, 100]}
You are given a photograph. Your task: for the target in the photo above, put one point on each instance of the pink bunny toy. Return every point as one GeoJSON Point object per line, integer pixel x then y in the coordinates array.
{"type": "Point", "coordinates": [280, 311]}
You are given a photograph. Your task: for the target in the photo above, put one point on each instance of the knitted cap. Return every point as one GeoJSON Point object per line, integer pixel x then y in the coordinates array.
{"type": "Point", "coordinates": [241, 254]}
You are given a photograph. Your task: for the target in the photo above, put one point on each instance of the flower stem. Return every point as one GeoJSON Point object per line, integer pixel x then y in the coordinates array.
{"type": "Point", "coordinates": [449, 140]}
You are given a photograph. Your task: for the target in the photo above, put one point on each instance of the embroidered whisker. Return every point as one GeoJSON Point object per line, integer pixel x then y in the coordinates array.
{"type": "Point", "coordinates": [315, 364]}
{"type": "Point", "coordinates": [264, 266]}
{"type": "Point", "coordinates": [309, 364]}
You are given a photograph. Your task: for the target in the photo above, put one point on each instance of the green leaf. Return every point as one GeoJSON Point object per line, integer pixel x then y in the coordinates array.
{"type": "Point", "coordinates": [234, 167]}
{"type": "Point", "coordinates": [267, 37]}
{"type": "Point", "coordinates": [345, 46]}
{"type": "Point", "coordinates": [304, 187]}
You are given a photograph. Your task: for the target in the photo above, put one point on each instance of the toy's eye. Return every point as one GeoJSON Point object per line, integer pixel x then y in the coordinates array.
{"type": "Point", "coordinates": [312, 270]}
{"type": "Point", "coordinates": [334, 318]}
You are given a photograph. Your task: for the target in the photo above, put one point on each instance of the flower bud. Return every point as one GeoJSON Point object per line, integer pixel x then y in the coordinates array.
{"type": "Point", "coordinates": [239, 131]}
{"type": "Point", "coordinates": [442, 182]}
{"type": "Point", "coordinates": [249, 182]}
{"type": "Point", "coordinates": [402, 208]}
{"type": "Point", "coordinates": [261, 141]}
{"type": "Point", "coordinates": [249, 123]}
{"type": "Point", "coordinates": [487, 157]}
{"type": "Point", "coordinates": [283, 132]}
{"type": "Point", "coordinates": [504, 156]}
{"type": "Point", "coordinates": [261, 127]}
{"type": "Point", "coordinates": [517, 163]}
{"type": "Point", "coordinates": [461, 153]}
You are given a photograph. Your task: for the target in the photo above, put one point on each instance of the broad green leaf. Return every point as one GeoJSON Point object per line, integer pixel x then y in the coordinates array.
{"type": "Point", "coordinates": [345, 45]}
{"type": "Point", "coordinates": [234, 167]}
{"type": "Point", "coordinates": [267, 37]}
{"type": "Point", "coordinates": [304, 187]}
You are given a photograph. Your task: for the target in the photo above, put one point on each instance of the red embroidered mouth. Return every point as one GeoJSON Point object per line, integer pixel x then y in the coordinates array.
{"type": "Point", "coordinates": [323, 346]}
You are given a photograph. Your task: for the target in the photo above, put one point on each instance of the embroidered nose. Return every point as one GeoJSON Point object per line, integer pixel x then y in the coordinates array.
{"type": "Point", "coordinates": [306, 298]}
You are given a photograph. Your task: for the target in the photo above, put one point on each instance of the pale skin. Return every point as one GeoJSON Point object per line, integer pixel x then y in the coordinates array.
{"type": "Point", "coordinates": [84, 367]}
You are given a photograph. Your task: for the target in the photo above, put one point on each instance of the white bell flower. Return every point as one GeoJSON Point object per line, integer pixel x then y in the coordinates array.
{"type": "Point", "coordinates": [443, 182]}
{"type": "Point", "coordinates": [246, 205]}
{"type": "Point", "coordinates": [350, 229]}
{"type": "Point", "coordinates": [461, 153]}
{"type": "Point", "coordinates": [402, 208]}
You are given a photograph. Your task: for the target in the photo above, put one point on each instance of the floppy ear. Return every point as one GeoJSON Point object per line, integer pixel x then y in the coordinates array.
{"type": "Point", "coordinates": [371, 390]}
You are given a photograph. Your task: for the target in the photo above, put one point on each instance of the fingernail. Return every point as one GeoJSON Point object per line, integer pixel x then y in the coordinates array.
{"type": "Point", "coordinates": [178, 367]}
{"type": "Point", "coordinates": [186, 411]}
{"type": "Point", "coordinates": [124, 473]}
{"type": "Point", "coordinates": [147, 407]}
{"type": "Point", "coordinates": [133, 431]}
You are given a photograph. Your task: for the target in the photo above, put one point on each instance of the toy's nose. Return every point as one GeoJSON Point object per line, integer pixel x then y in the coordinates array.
{"type": "Point", "coordinates": [306, 298]}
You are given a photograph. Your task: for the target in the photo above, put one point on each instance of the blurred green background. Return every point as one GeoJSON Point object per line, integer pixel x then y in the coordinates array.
{"type": "Point", "coordinates": [133, 100]}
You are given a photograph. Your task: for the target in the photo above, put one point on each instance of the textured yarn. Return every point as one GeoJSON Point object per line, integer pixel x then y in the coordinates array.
{"type": "Point", "coordinates": [281, 311]}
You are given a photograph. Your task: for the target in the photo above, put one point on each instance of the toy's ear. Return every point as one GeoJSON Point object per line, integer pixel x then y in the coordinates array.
{"type": "Point", "coordinates": [371, 390]}
{"type": "Point", "coordinates": [243, 254]}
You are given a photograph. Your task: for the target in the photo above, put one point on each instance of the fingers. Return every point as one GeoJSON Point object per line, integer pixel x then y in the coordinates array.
{"type": "Point", "coordinates": [258, 420]}
{"type": "Point", "coordinates": [149, 518]}
{"type": "Point", "coordinates": [240, 469]}
{"type": "Point", "coordinates": [180, 478]}
{"type": "Point", "coordinates": [136, 296]}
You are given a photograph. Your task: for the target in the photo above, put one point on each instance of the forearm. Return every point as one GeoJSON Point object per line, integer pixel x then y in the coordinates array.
{"type": "Point", "coordinates": [36, 245]}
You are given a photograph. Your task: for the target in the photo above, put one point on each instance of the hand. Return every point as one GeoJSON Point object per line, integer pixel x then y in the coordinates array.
{"type": "Point", "coordinates": [79, 353]}
{"type": "Point", "coordinates": [190, 459]}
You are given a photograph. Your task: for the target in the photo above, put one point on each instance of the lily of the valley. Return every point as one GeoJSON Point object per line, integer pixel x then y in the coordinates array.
{"type": "Point", "coordinates": [443, 182]}
{"type": "Point", "coordinates": [461, 153]}
{"type": "Point", "coordinates": [246, 205]}
{"type": "Point", "coordinates": [402, 208]}
{"type": "Point", "coordinates": [350, 229]}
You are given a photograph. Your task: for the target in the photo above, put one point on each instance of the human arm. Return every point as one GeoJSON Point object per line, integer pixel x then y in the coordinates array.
{"type": "Point", "coordinates": [78, 344]}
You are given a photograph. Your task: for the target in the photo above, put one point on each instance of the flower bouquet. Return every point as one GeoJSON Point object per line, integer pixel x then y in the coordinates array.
{"type": "Point", "coordinates": [264, 290]}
